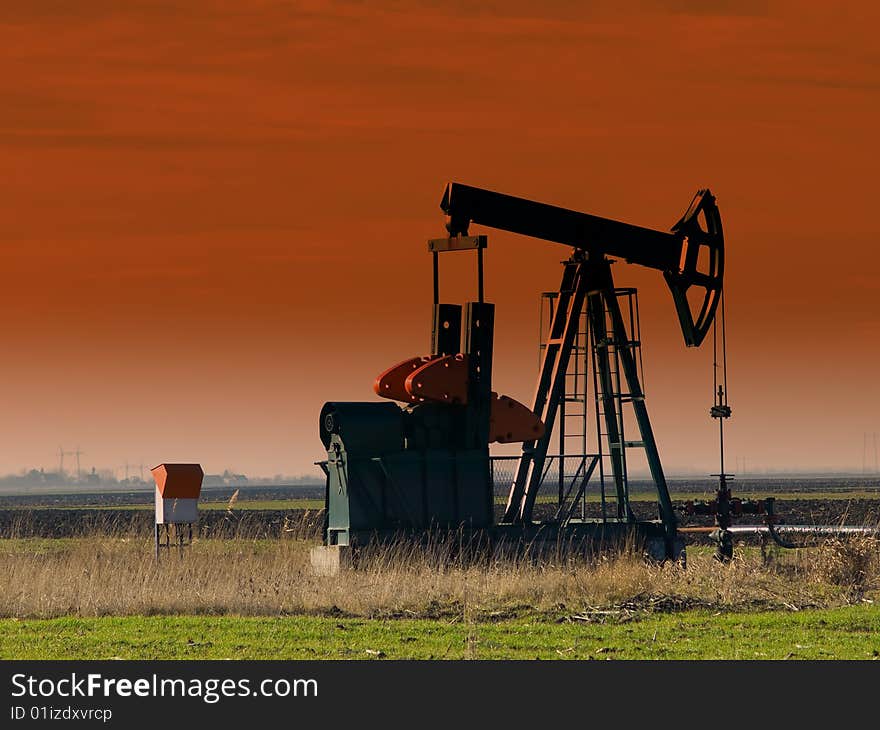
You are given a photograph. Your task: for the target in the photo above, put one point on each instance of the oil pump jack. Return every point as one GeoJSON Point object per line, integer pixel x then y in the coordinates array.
{"type": "Point", "coordinates": [425, 466]}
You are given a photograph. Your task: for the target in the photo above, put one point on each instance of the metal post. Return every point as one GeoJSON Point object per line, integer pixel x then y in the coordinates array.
{"type": "Point", "coordinates": [594, 368]}
{"type": "Point", "coordinates": [596, 311]}
{"type": "Point", "coordinates": [561, 466]}
{"type": "Point", "coordinates": [435, 256]}
{"type": "Point", "coordinates": [479, 274]}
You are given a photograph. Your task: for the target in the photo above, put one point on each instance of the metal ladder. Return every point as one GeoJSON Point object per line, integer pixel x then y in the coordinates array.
{"type": "Point", "coordinates": [573, 463]}
{"type": "Point", "coordinates": [610, 397]}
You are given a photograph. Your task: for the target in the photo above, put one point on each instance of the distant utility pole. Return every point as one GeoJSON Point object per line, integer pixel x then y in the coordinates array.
{"type": "Point", "coordinates": [865, 453]}
{"type": "Point", "coordinates": [62, 453]}
{"type": "Point", "coordinates": [130, 467]}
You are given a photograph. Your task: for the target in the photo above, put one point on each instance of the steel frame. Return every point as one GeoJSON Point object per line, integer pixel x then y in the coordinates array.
{"type": "Point", "coordinates": [587, 285]}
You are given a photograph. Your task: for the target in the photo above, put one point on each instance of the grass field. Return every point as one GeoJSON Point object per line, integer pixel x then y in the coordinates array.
{"type": "Point", "coordinates": [242, 504]}
{"type": "Point", "coordinates": [844, 633]}
{"type": "Point", "coordinates": [106, 597]}
{"type": "Point", "coordinates": [248, 593]}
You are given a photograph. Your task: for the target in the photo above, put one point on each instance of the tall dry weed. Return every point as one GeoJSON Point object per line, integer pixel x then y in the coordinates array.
{"type": "Point", "coordinates": [851, 563]}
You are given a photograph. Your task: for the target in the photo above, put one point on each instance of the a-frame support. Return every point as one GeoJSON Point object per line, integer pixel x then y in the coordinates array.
{"type": "Point", "coordinates": [588, 283]}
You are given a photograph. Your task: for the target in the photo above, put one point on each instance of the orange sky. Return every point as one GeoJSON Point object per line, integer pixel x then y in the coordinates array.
{"type": "Point", "coordinates": [214, 219]}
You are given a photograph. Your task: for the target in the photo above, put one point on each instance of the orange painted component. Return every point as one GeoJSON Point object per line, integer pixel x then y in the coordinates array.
{"type": "Point", "coordinates": [391, 383]}
{"type": "Point", "coordinates": [442, 380]}
{"type": "Point", "coordinates": [511, 421]}
{"type": "Point", "coordinates": [178, 481]}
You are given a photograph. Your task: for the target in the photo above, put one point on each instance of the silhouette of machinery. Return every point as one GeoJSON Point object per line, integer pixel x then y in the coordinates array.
{"type": "Point", "coordinates": [421, 463]}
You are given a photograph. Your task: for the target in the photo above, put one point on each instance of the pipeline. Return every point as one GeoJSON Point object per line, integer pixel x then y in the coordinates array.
{"type": "Point", "coordinates": [808, 530]}
{"type": "Point", "coordinates": [817, 530]}
{"type": "Point", "coordinates": [775, 532]}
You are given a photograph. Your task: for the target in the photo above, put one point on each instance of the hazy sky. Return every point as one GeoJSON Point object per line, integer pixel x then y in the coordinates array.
{"type": "Point", "coordinates": [214, 218]}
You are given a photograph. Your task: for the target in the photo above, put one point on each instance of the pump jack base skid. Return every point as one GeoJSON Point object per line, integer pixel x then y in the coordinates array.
{"type": "Point", "coordinates": [537, 542]}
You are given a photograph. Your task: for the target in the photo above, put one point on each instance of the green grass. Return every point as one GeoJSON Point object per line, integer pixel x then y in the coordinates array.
{"type": "Point", "coordinates": [59, 546]}
{"type": "Point", "coordinates": [843, 633]}
{"type": "Point", "coordinates": [267, 504]}
{"type": "Point", "coordinates": [240, 505]}
{"type": "Point", "coordinates": [315, 504]}
{"type": "Point", "coordinates": [37, 545]}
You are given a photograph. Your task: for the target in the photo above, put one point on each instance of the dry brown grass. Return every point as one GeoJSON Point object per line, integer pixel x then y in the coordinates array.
{"type": "Point", "coordinates": [852, 564]}
{"type": "Point", "coordinates": [119, 576]}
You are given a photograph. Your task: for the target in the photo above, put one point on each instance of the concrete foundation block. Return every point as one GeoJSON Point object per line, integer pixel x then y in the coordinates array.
{"type": "Point", "coordinates": [329, 560]}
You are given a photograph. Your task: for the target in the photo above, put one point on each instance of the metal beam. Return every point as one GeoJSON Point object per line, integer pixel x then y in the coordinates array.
{"type": "Point", "coordinates": [645, 246]}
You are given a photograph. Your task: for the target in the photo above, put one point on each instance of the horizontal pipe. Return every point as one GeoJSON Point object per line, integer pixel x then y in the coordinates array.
{"type": "Point", "coordinates": [821, 530]}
